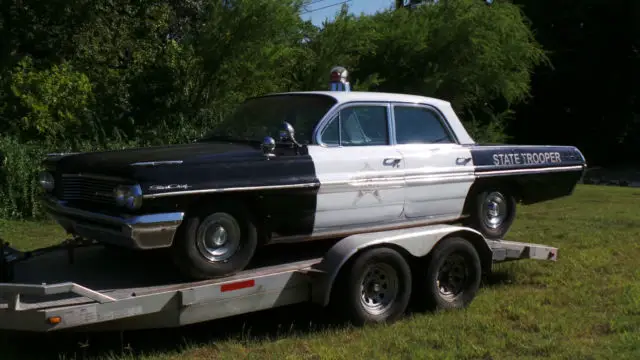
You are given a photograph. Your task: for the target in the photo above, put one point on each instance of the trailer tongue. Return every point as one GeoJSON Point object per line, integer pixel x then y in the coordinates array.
{"type": "Point", "coordinates": [372, 276]}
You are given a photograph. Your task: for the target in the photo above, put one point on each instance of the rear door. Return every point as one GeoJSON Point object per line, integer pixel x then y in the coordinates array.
{"type": "Point", "coordinates": [438, 171]}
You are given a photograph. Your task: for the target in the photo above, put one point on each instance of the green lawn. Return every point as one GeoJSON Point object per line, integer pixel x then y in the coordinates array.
{"type": "Point", "coordinates": [585, 306]}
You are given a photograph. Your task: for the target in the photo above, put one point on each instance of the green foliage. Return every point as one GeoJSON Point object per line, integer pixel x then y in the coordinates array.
{"type": "Point", "coordinates": [52, 102]}
{"type": "Point", "coordinates": [18, 179]}
{"type": "Point", "coordinates": [78, 75]}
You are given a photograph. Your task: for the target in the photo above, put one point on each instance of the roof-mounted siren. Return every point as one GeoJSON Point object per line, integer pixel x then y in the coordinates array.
{"type": "Point", "coordinates": [338, 79]}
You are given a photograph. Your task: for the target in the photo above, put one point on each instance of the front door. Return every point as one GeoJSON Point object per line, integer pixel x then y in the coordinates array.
{"type": "Point", "coordinates": [439, 172]}
{"type": "Point", "coordinates": [361, 174]}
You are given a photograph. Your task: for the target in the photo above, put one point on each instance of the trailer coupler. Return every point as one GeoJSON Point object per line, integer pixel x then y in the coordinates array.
{"type": "Point", "coordinates": [11, 256]}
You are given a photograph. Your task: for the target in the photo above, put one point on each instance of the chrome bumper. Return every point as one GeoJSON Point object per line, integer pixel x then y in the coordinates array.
{"type": "Point", "coordinates": [139, 232]}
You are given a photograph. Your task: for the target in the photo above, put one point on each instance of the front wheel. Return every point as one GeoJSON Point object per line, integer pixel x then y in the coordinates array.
{"type": "Point", "coordinates": [492, 213]}
{"type": "Point", "coordinates": [215, 245]}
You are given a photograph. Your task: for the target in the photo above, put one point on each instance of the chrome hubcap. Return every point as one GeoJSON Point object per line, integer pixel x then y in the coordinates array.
{"type": "Point", "coordinates": [494, 210]}
{"type": "Point", "coordinates": [214, 243]}
{"type": "Point", "coordinates": [452, 276]}
{"type": "Point", "coordinates": [378, 288]}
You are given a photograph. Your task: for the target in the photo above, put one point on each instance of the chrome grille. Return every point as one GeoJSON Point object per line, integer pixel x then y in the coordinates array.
{"type": "Point", "coordinates": [93, 189]}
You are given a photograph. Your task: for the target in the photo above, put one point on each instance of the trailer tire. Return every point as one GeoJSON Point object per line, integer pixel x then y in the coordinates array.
{"type": "Point", "coordinates": [452, 276]}
{"type": "Point", "coordinates": [374, 288]}
{"type": "Point", "coordinates": [194, 251]}
{"type": "Point", "coordinates": [493, 212]}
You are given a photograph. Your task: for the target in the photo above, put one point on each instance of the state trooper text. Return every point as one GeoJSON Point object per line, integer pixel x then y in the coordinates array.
{"type": "Point", "coordinates": [526, 158]}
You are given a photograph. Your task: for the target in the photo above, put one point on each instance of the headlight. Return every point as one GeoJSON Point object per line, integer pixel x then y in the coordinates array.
{"type": "Point", "coordinates": [46, 181]}
{"type": "Point", "coordinates": [129, 196]}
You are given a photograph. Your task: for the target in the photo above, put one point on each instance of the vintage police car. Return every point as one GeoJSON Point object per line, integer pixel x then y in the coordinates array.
{"type": "Point", "coordinates": [356, 162]}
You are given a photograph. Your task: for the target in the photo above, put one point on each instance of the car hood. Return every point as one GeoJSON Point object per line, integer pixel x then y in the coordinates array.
{"type": "Point", "coordinates": [123, 162]}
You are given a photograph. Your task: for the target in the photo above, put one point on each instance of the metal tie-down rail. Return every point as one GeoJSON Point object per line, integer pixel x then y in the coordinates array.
{"type": "Point", "coordinates": [11, 256]}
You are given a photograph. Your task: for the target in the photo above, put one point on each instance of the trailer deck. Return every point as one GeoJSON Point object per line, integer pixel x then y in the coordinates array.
{"type": "Point", "coordinates": [107, 290]}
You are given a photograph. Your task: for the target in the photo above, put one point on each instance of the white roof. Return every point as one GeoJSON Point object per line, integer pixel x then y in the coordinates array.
{"type": "Point", "coordinates": [442, 105]}
{"type": "Point", "coordinates": [344, 96]}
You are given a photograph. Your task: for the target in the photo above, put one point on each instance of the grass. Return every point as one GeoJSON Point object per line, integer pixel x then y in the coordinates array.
{"type": "Point", "coordinates": [585, 306]}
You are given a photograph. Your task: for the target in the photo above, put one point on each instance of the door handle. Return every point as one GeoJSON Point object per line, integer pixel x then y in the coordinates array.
{"type": "Point", "coordinates": [391, 161]}
{"type": "Point", "coordinates": [462, 161]}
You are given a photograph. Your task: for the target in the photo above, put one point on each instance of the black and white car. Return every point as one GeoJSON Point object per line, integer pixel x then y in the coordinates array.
{"type": "Point", "coordinates": [356, 162]}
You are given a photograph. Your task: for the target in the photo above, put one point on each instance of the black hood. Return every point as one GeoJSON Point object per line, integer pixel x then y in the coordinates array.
{"type": "Point", "coordinates": [119, 162]}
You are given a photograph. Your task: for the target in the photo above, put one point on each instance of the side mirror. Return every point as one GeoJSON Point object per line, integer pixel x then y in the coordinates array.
{"type": "Point", "coordinates": [268, 146]}
{"type": "Point", "coordinates": [287, 133]}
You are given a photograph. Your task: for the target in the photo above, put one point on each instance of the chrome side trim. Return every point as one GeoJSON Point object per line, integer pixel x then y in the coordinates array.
{"type": "Point", "coordinates": [157, 163]}
{"type": "Point", "coordinates": [544, 170]}
{"type": "Point", "coordinates": [437, 180]}
{"type": "Point", "coordinates": [232, 189]}
{"type": "Point", "coordinates": [379, 179]}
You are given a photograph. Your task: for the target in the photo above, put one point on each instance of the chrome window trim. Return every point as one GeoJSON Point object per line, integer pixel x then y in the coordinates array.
{"type": "Point", "coordinates": [336, 110]}
{"type": "Point", "coordinates": [437, 113]}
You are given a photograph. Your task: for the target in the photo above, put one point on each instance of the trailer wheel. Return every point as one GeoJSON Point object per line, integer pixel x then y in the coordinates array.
{"type": "Point", "coordinates": [492, 213]}
{"type": "Point", "coordinates": [452, 276]}
{"type": "Point", "coordinates": [215, 244]}
{"type": "Point", "coordinates": [376, 287]}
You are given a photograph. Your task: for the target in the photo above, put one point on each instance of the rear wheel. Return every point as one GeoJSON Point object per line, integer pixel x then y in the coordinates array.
{"type": "Point", "coordinates": [452, 277]}
{"type": "Point", "coordinates": [219, 243]}
{"type": "Point", "coordinates": [492, 213]}
{"type": "Point", "coordinates": [376, 287]}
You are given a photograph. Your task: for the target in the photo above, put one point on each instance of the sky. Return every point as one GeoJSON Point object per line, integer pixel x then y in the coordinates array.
{"type": "Point", "coordinates": [355, 6]}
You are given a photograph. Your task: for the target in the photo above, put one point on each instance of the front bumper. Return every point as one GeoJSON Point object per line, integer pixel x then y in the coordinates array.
{"type": "Point", "coordinates": [150, 231]}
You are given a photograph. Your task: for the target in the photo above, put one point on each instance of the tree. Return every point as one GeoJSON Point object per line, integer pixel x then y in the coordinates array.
{"type": "Point", "coordinates": [587, 96]}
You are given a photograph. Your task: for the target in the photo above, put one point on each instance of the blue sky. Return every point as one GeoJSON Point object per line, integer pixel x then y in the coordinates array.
{"type": "Point", "coordinates": [355, 6]}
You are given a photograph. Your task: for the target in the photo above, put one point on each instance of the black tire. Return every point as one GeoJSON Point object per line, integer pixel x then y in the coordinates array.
{"type": "Point", "coordinates": [190, 256]}
{"type": "Point", "coordinates": [435, 291]}
{"type": "Point", "coordinates": [480, 213]}
{"type": "Point", "coordinates": [391, 270]}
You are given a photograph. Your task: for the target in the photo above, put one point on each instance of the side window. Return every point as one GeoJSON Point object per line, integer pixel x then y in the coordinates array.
{"type": "Point", "coordinates": [360, 125]}
{"type": "Point", "coordinates": [417, 125]}
{"type": "Point", "coordinates": [331, 133]}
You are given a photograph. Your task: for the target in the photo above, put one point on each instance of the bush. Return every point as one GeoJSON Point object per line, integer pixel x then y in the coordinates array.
{"type": "Point", "coordinates": [18, 179]}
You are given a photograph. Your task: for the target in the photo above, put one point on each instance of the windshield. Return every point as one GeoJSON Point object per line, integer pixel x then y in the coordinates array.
{"type": "Point", "coordinates": [263, 116]}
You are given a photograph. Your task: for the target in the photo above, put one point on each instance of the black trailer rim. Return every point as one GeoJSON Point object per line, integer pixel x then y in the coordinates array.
{"type": "Point", "coordinates": [453, 275]}
{"type": "Point", "coordinates": [378, 288]}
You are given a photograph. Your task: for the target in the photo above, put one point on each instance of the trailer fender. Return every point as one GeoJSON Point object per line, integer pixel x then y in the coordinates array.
{"type": "Point", "coordinates": [414, 242]}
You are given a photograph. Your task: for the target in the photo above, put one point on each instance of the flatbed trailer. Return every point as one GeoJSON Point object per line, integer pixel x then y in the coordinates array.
{"type": "Point", "coordinates": [367, 277]}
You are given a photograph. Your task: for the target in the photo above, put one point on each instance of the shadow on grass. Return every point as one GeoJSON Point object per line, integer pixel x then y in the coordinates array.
{"type": "Point", "coordinates": [497, 278]}
{"type": "Point", "coordinates": [264, 325]}
{"type": "Point", "coordinates": [287, 321]}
